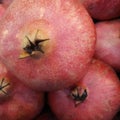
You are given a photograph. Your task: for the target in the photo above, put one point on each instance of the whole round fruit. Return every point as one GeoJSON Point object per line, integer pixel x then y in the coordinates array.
{"type": "Point", "coordinates": [47, 44]}
{"type": "Point", "coordinates": [95, 97]}
{"type": "Point", "coordinates": [17, 101]}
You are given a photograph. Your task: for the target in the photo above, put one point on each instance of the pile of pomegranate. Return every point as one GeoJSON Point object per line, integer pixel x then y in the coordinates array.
{"type": "Point", "coordinates": [60, 60]}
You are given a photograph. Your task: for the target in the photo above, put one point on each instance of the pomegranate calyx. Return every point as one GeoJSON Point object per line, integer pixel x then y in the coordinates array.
{"type": "Point", "coordinates": [79, 95]}
{"type": "Point", "coordinates": [32, 48]}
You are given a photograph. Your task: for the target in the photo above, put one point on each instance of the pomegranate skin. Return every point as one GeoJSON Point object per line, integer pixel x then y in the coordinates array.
{"type": "Point", "coordinates": [102, 9]}
{"type": "Point", "coordinates": [102, 101]}
{"type": "Point", "coordinates": [17, 101]}
{"type": "Point", "coordinates": [108, 42]}
{"type": "Point", "coordinates": [68, 51]}
{"type": "Point", "coordinates": [2, 10]}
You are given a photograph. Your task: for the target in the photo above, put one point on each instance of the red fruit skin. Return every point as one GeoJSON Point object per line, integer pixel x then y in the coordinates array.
{"type": "Point", "coordinates": [21, 102]}
{"type": "Point", "coordinates": [108, 42]}
{"type": "Point", "coordinates": [102, 9]}
{"type": "Point", "coordinates": [68, 51]}
{"type": "Point", "coordinates": [2, 10]}
{"type": "Point", "coordinates": [102, 102]}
